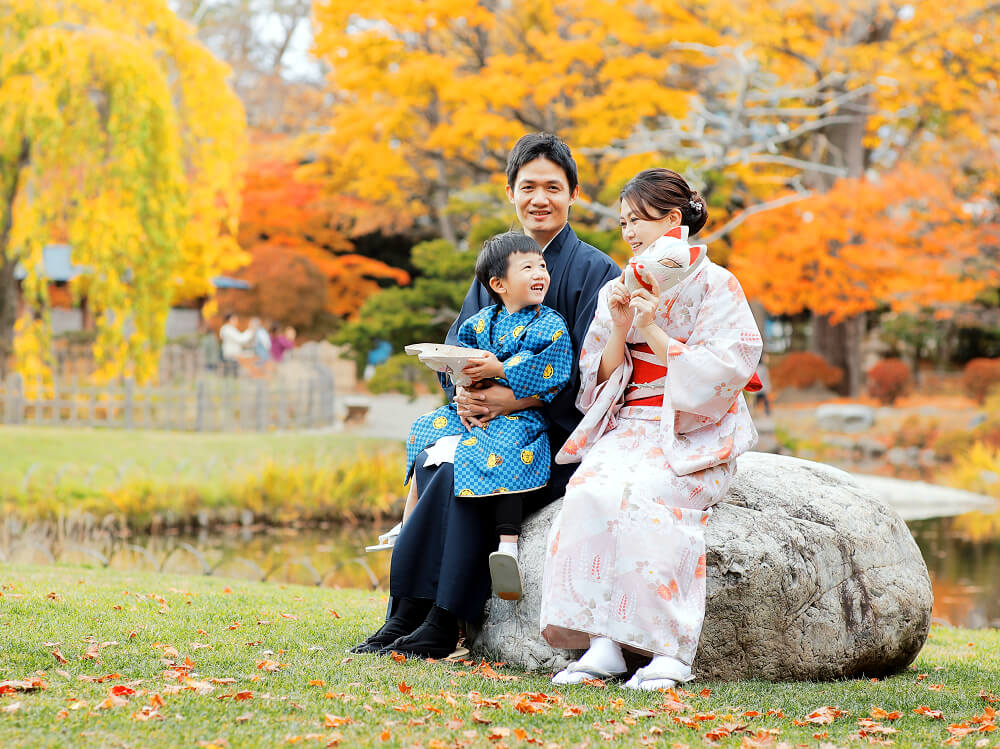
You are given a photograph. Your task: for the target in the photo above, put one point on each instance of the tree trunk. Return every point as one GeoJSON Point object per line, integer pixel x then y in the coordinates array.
{"type": "Point", "coordinates": [8, 311]}
{"type": "Point", "coordinates": [840, 345]}
{"type": "Point", "coordinates": [8, 286]}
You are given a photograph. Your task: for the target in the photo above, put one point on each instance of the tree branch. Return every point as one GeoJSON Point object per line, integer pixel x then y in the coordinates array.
{"type": "Point", "coordinates": [739, 218]}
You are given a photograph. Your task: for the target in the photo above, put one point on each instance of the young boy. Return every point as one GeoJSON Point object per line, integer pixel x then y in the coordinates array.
{"type": "Point", "coordinates": [530, 352]}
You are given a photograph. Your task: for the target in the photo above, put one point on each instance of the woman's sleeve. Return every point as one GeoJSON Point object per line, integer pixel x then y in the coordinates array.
{"type": "Point", "coordinates": [591, 352]}
{"type": "Point", "coordinates": [544, 363]}
{"type": "Point", "coordinates": [707, 372]}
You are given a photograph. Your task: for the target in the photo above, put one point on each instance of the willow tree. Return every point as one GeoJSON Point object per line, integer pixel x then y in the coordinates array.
{"type": "Point", "coordinates": [119, 136]}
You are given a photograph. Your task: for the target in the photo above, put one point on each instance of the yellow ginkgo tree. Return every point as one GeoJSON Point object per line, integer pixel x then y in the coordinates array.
{"type": "Point", "coordinates": [119, 136]}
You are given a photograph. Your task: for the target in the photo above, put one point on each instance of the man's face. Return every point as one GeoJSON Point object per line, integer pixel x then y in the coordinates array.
{"type": "Point", "coordinates": [542, 199]}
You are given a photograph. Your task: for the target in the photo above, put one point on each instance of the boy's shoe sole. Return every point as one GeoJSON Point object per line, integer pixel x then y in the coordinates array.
{"type": "Point", "coordinates": [506, 576]}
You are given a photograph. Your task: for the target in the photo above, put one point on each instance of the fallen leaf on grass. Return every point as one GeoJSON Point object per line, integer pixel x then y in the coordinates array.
{"type": "Point", "coordinates": [244, 718]}
{"type": "Point", "coordinates": [594, 683]}
{"type": "Point", "coordinates": [111, 701]}
{"type": "Point", "coordinates": [477, 717]}
{"type": "Point", "coordinates": [880, 714]}
{"type": "Point", "coordinates": [234, 625]}
{"type": "Point", "coordinates": [335, 721]}
{"type": "Point", "coordinates": [405, 688]}
{"type": "Point", "coordinates": [22, 685]}
{"type": "Point", "coordinates": [240, 696]}
{"type": "Point", "coordinates": [147, 713]}
{"type": "Point", "coordinates": [821, 717]}
{"type": "Point", "coordinates": [398, 657]}
{"type": "Point", "coordinates": [13, 707]}
{"type": "Point", "coordinates": [121, 690]}
{"type": "Point", "coordinates": [316, 683]}
{"type": "Point", "coordinates": [59, 656]}
{"type": "Point", "coordinates": [926, 711]}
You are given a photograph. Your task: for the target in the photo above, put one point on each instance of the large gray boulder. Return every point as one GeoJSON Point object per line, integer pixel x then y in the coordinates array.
{"type": "Point", "coordinates": [810, 576]}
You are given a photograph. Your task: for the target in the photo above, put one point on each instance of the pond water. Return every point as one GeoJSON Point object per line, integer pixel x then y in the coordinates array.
{"type": "Point", "coordinates": [964, 574]}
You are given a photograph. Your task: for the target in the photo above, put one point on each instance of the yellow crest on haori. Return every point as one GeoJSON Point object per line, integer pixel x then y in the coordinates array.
{"type": "Point", "coordinates": [557, 335]}
{"type": "Point", "coordinates": [471, 441]}
{"type": "Point", "coordinates": [514, 360]}
{"type": "Point", "coordinates": [527, 456]}
{"type": "Point", "coordinates": [501, 490]}
{"type": "Point", "coordinates": [548, 371]}
{"type": "Point", "coordinates": [465, 493]}
{"type": "Point", "coordinates": [510, 418]}
{"type": "Point", "coordinates": [493, 461]}
{"type": "Point", "coordinates": [440, 422]}
{"type": "Point", "coordinates": [517, 331]}
{"type": "Point", "coordinates": [480, 325]}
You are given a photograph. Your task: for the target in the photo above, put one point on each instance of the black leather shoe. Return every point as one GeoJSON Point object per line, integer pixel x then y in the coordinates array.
{"type": "Point", "coordinates": [408, 615]}
{"type": "Point", "coordinates": [435, 638]}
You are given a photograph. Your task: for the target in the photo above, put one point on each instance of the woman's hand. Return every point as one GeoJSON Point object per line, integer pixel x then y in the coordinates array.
{"type": "Point", "coordinates": [618, 305]}
{"type": "Point", "coordinates": [483, 367]}
{"type": "Point", "coordinates": [643, 303]}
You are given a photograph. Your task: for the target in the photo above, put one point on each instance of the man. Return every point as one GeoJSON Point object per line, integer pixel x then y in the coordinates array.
{"type": "Point", "coordinates": [439, 572]}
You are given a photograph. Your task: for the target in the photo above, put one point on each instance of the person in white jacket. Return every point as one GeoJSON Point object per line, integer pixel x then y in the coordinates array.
{"type": "Point", "coordinates": [233, 342]}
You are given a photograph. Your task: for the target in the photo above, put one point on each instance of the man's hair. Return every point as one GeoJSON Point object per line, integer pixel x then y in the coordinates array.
{"type": "Point", "coordinates": [541, 145]}
{"type": "Point", "coordinates": [495, 257]}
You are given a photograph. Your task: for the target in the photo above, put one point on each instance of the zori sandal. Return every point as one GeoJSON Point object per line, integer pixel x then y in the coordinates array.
{"type": "Point", "coordinates": [506, 576]}
{"type": "Point", "coordinates": [576, 672]}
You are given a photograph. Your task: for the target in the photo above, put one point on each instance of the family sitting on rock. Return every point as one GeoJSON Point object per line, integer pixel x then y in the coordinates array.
{"type": "Point", "coordinates": [638, 377]}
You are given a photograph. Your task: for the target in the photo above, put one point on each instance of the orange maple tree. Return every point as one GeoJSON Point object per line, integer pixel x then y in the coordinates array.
{"type": "Point", "coordinates": [906, 240]}
{"type": "Point", "coordinates": [286, 220]}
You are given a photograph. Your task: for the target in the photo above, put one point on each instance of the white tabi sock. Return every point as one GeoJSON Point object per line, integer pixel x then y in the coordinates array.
{"type": "Point", "coordinates": [603, 657]}
{"type": "Point", "coordinates": [508, 547]}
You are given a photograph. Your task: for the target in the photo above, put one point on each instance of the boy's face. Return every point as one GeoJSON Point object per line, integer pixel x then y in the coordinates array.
{"type": "Point", "coordinates": [542, 198]}
{"type": "Point", "coordinates": [525, 283]}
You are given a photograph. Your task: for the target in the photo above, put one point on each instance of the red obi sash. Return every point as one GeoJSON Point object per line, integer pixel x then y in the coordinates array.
{"type": "Point", "coordinates": [647, 371]}
{"type": "Point", "coordinates": [644, 372]}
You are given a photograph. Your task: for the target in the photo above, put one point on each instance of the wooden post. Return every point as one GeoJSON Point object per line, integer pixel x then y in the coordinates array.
{"type": "Point", "coordinates": [260, 406]}
{"type": "Point", "coordinates": [129, 403]}
{"type": "Point", "coordinates": [200, 406]}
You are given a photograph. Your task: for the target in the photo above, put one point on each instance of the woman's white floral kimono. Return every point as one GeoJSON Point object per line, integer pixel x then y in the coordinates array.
{"type": "Point", "coordinates": [626, 555]}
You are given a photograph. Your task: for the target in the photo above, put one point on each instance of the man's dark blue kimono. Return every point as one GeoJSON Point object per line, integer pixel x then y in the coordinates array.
{"type": "Point", "coordinates": [442, 553]}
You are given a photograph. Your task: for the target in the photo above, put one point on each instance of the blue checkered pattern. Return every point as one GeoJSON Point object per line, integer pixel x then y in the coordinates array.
{"type": "Point", "coordinates": [511, 453]}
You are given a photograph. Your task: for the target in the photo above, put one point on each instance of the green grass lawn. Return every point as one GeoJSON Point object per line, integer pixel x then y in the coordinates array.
{"type": "Point", "coordinates": [130, 660]}
{"type": "Point", "coordinates": [107, 456]}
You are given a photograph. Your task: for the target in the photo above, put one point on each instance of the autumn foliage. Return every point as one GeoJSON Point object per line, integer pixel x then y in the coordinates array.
{"type": "Point", "coordinates": [295, 233]}
{"type": "Point", "coordinates": [120, 136]}
{"type": "Point", "coordinates": [803, 369]}
{"type": "Point", "coordinates": [980, 376]}
{"type": "Point", "coordinates": [904, 240]}
{"type": "Point", "coordinates": [888, 380]}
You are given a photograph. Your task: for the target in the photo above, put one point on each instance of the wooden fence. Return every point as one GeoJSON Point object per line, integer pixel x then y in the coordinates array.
{"type": "Point", "coordinates": [208, 403]}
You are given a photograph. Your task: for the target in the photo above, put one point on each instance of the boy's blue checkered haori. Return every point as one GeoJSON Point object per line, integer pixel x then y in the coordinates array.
{"type": "Point", "coordinates": [509, 453]}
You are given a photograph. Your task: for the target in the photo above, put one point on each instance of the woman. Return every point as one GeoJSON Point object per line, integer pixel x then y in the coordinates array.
{"type": "Point", "coordinates": [657, 448]}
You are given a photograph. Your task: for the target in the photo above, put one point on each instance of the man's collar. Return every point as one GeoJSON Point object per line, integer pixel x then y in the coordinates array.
{"type": "Point", "coordinates": [555, 244]}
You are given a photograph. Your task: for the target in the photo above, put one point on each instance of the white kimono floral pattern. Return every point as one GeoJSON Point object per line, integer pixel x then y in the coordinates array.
{"type": "Point", "coordinates": [626, 554]}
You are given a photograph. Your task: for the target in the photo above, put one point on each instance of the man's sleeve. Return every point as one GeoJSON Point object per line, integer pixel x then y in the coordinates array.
{"type": "Point", "coordinates": [592, 276]}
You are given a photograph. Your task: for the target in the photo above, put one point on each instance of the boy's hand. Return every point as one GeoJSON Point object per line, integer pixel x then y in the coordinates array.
{"type": "Point", "coordinates": [484, 367]}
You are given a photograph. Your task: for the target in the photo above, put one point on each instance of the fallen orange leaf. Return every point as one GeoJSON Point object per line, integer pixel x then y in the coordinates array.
{"type": "Point", "coordinates": [405, 688]}
{"type": "Point", "coordinates": [317, 683]}
{"type": "Point", "coordinates": [243, 696]}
